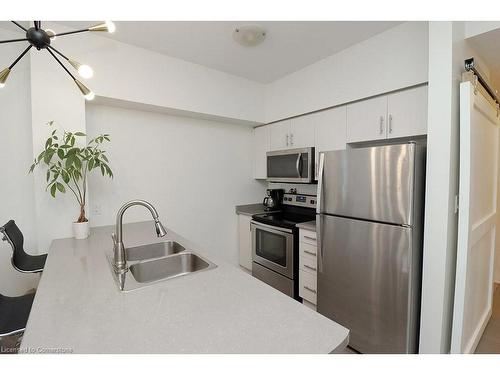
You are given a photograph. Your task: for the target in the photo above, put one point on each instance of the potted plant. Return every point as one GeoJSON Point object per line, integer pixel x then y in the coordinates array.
{"type": "Point", "coordinates": [68, 166]}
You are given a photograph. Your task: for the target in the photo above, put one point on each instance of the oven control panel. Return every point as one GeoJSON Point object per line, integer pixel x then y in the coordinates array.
{"type": "Point", "coordinates": [300, 200]}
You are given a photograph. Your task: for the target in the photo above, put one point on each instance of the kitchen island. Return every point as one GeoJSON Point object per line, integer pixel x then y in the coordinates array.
{"type": "Point", "coordinates": [78, 307]}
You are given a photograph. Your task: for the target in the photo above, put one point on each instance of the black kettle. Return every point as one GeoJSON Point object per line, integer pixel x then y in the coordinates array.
{"type": "Point", "coordinates": [273, 199]}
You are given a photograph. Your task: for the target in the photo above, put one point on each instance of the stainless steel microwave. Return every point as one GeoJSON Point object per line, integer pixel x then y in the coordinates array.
{"type": "Point", "coordinates": [292, 165]}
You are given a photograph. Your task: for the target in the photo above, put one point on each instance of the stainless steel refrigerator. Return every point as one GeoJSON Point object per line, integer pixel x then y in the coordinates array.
{"type": "Point", "coordinates": [370, 229]}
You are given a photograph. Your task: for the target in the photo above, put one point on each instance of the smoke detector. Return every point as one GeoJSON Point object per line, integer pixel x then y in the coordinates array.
{"type": "Point", "coordinates": [249, 35]}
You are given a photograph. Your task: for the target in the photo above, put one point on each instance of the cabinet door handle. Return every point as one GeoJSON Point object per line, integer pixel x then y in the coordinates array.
{"type": "Point", "coordinates": [310, 238]}
{"type": "Point", "coordinates": [381, 125]}
{"type": "Point", "coordinates": [390, 124]}
{"type": "Point", "coordinates": [291, 139]}
{"type": "Point", "coordinates": [309, 267]}
{"type": "Point", "coordinates": [310, 289]}
{"type": "Point", "coordinates": [287, 136]}
{"type": "Point", "coordinates": [310, 253]}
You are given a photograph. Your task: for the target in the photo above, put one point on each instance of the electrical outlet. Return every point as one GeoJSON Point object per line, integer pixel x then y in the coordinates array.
{"type": "Point", "coordinates": [96, 210]}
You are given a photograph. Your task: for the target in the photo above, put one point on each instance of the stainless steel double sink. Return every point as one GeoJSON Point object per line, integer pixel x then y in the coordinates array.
{"type": "Point", "coordinates": [153, 263]}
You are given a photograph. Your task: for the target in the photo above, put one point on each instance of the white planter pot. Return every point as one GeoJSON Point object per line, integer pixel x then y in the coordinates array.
{"type": "Point", "coordinates": [81, 230]}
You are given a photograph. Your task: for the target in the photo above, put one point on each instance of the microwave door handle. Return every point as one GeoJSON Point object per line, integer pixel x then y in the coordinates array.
{"type": "Point", "coordinates": [297, 164]}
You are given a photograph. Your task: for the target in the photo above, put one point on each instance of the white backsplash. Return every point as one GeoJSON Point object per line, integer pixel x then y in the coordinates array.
{"type": "Point", "coordinates": [309, 189]}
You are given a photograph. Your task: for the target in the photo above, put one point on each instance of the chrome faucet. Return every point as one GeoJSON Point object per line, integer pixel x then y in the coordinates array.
{"type": "Point", "coordinates": [119, 260]}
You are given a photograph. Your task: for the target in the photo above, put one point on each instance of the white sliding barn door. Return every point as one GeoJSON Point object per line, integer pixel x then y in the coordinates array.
{"type": "Point", "coordinates": [476, 220]}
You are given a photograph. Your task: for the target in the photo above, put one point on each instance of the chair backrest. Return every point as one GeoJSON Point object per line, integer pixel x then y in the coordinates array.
{"type": "Point", "coordinates": [15, 237]}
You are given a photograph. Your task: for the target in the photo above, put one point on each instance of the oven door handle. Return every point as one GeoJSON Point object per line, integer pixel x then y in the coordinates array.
{"type": "Point", "coordinates": [298, 165]}
{"type": "Point", "coordinates": [270, 228]}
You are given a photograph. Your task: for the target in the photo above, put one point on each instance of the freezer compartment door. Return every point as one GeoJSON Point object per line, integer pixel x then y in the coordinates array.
{"type": "Point", "coordinates": [364, 277]}
{"type": "Point", "coordinates": [372, 183]}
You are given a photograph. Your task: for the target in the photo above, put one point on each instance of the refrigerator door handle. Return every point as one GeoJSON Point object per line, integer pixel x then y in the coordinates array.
{"type": "Point", "coordinates": [319, 198]}
{"type": "Point", "coordinates": [319, 201]}
{"type": "Point", "coordinates": [319, 241]}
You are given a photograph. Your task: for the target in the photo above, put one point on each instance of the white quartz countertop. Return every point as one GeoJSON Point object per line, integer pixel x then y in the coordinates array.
{"type": "Point", "coordinates": [309, 225]}
{"type": "Point", "coordinates": [224, 310]}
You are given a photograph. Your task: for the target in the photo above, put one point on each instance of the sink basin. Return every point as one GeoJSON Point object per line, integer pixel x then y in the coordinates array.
{"type": "Point", "coordinates": [169, 267]}
{"type": "Point", "coordinates": [154, 250]}
{"type": "Point", "coordinates": [157, 262]}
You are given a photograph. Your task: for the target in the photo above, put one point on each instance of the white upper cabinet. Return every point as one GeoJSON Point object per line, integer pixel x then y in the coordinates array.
{"type": "Point", "coordinates": [407, 113]}
{"type": "Point", "coordinates": [367, 120]}
{"type": "Point", "coordinates": [329, 132]}
{"type": "Point", "coordinates": [396, 115]}
{"type": "Point", "coordinates": [261, 145]}
{"type": "Point", "coordinates": [302, 131]}
{"type": "Point", "coordinates": [280, 135]}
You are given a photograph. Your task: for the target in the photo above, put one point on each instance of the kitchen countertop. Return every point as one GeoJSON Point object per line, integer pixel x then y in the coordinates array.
{"type": "Point", "coordinates": [251, 209]}
{"type": "Point", "coordinates": [309, 225]}
{"type": "Point", "coordinates": [224, 310]}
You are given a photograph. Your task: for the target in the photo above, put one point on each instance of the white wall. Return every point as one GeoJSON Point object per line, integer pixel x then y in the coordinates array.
{"type": "Point", "coordinates": [16, 187]}
{"type": "Point", "coordinates": [129, 74]}
{"type": "Point", "coordinates": [448, 49]}
{"type": "Point", "coordinates": [194, 171]}
{"type": "Point", "coordinates": [392, 60]}
{"type": "Point", "coordinates": [53, 97]}
{"type": "Point", "coordinates": [134, 74]}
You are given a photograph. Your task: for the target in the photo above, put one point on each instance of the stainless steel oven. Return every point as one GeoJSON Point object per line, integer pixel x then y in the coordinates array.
{"type": "Point", "coordinates": [272, 247]}
{"type": "Point", "coordinates": [294, 165]}
{"type": "Point", "coordinates": [275, 240]}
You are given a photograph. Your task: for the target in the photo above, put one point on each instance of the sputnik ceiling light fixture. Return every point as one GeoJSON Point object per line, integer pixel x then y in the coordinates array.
{"type": "Point", "coordinates": [40, 39]}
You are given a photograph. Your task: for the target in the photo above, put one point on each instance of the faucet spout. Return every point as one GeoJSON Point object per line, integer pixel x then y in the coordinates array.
{"type": "Point", "coordinates": [120, 263]}
{"type": "Point", "coordinates": [160, 229]}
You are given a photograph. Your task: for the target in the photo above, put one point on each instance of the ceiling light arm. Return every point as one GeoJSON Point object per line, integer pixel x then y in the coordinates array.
{"type": "Point", "coordinates": [13, 40]}
{"type": "Point", "coordinates": [60, 63]}
{"type": "Point", "coordinates": [72, 32]}
{"type": "Point", "coordinates": [58, 52]}
{"type": "Point", "coordinates": [19, 25]}
{"type": "Point", "coordinates": [20, 56]}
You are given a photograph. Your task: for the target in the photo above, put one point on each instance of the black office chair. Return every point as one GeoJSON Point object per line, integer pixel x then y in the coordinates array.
{"type": "Point", "coordinates": [14, 313]}
{"type": "Point", "coordinates": [20, 260]}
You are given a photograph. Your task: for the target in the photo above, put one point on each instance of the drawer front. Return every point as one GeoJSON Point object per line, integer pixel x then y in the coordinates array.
{"type": "Point", "coordinates": [307, 236]}
{"type": "Point", "coordinates": [308, 250]}
{"type": "Point", "coordinates": [308, 264]}
{"type": "Point", "coordinates": [307, 286]}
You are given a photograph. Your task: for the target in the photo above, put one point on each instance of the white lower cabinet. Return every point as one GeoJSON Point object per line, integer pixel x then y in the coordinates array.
{"type": "Point", "coordinates": [307, 286]}
{"type": "Point", "coordinates": [245, 241]}
{"type": "Point", "coordinates": [308, 267]}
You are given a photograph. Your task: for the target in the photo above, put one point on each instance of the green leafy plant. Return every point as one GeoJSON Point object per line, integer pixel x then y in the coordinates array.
{"type": "Point", "coordinates": [68, 165]}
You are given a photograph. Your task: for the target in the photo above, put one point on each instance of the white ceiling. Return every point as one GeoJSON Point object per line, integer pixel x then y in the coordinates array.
{"type": "Point", "coordinates": [288, 47]}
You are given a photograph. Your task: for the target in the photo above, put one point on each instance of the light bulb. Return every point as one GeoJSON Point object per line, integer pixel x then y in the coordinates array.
{"type": "Point", "coordinates": [85, 71]}
{"type": "Point", "coordinates": [89, 96]}
{"type": "Point", "coordinates": [2, 85]}
{"type": "Point", "coordinates": [111, 26]}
